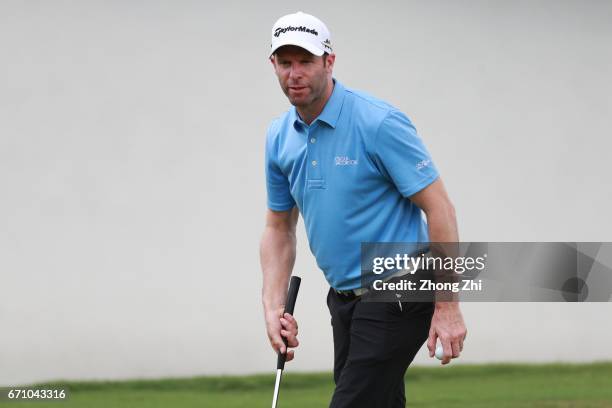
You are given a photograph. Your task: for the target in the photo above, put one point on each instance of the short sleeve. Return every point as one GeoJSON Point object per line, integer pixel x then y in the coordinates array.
{"type": "Point", "coordinates": [279, 193]}
{"type": "Point", "coordinates": [402, 156]}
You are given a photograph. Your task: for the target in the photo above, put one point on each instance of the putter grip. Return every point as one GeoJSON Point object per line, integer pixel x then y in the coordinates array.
{"type": "Point", "coordinates": [294, 287]}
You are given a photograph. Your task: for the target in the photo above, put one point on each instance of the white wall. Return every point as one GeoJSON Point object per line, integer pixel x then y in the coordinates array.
{"type": "Point", "coordinates": [131, 171]}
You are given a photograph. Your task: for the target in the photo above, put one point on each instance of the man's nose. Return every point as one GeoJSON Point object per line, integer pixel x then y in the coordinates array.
{"type": "Point", "coordinates": [295, 72]}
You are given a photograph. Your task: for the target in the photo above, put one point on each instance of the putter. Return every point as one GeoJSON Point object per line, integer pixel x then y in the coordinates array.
{"type": "Point", "coordinates": [294, 286]}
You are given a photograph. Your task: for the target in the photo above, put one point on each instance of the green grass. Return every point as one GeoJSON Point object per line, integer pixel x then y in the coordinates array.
{"type": "Point", "coordinates": [474, 386]}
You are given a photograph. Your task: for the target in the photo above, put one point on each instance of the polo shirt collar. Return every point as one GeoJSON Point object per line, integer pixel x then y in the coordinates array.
{"type": "Point", "coordinates": [331, 110]}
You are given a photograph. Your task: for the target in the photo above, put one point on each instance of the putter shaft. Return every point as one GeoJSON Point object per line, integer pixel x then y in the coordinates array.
{"type": "Point", "coordinates": [279, 374]}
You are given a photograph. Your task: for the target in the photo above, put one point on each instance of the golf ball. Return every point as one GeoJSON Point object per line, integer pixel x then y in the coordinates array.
{"type": "Point", "coordinates": [439, 352]}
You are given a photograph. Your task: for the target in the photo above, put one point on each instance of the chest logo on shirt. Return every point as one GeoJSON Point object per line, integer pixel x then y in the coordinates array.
{"type": "Point", "coordinates": [344, 161]}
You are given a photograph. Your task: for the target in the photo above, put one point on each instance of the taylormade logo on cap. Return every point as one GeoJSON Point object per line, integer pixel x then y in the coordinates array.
{"type": "Point", "coordinates": [302, 30]}
{"type": "Point", "coordinates": [281, 30]}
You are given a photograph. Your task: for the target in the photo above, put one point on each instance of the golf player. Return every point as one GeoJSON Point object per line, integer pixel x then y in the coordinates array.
{"type": "Point", "coordinates": [355, 168]}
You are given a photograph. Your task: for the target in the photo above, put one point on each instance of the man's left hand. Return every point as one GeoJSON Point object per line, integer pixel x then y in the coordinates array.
{"type": "Point", "coordinates": [447, 325]}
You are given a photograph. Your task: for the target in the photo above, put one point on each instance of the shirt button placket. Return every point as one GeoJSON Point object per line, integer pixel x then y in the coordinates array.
{"type": "Point", "coordinates": [314, 165]}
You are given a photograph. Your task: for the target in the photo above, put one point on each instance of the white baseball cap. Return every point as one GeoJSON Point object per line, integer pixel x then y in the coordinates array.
{"type": "Point", "coordinates": [303, 30]}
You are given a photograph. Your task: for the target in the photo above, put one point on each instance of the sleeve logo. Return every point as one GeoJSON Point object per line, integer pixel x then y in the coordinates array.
{"type": "Point", "coordinates": [422, 164]}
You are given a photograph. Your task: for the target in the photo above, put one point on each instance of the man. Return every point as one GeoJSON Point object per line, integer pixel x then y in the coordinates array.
{"type": "Point", "coordinates": [356, 170]}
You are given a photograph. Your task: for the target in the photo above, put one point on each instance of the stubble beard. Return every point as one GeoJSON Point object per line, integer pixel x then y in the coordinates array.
{"type": "Point", "coordinates": [312, 97]}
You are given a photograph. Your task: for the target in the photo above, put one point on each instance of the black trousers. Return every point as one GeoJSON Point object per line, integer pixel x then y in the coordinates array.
{"type": "Point", "coordinates": [374, 343]}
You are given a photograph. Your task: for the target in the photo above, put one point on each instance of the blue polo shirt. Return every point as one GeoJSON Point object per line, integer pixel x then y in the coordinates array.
{"type": "Point", "coordinates": [350, 173]}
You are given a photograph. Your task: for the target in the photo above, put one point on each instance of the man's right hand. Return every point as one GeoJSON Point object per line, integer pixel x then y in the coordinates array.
{"type": "Point", "coordinates": [286, 326]}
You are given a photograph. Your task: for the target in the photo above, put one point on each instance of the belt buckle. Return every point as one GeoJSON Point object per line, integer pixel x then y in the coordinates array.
{"type": "Point", "coordinates": [343, 292]}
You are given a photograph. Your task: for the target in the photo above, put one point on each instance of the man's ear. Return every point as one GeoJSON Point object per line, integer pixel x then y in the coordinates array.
{"type": "Point", "coordinates": [330, 59]}
{"type": "Point", "coordinates": [272, 59]}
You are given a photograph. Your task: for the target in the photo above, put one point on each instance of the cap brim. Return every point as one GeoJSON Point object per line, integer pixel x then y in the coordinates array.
{"type": "Point", "coordinates": [302, 44]}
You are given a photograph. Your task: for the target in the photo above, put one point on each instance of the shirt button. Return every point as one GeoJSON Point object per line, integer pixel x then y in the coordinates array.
{"type": "Point", "coordinates": [312, 140]}
{"type": "Point", "coordinates": [314, 162]}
